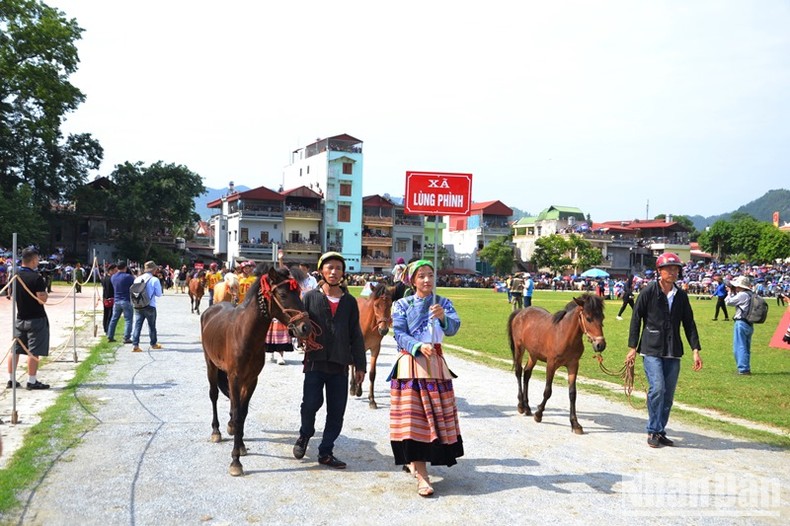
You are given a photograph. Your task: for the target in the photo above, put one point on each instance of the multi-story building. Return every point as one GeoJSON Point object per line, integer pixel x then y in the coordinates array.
{"type": "Point", "coordinates": [626, 246]}
{"type": "Point", "coordinates": [333, 168]}
{"type": "Point", "coordinates": [467, 236]}
{"type": "Point", "coordinates": [408, 235]}
{"type": "Point", "coordinates": [303, 224]}
{"type": "Point", "coordinates": [249, 225]}
{"type": "Point", "coordinates": [378, 219]}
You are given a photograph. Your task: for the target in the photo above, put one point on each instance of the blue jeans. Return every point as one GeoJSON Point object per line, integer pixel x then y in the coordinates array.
{"type": "Point", "coordinates": [742, 345]}
{"type": "Point", "coordinates": [662, 375]}
{"type": "Point", "coordinates": [313, 398]}
{"type": "Point", "coordinates": [148, 314]}
{"type": "Point", "coordinates": [121, 307]}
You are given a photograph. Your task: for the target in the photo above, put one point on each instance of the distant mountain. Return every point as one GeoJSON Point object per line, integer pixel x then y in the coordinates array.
{"type": "Point", "coordinates": [761, 209]}
{"type": "Point", "coordinates": [211, 194]}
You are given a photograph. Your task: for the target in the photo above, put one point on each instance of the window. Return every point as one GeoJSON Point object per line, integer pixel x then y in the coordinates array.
{"type": "Point", "coordinates": [344, 213]}
{"type": "Point", "coordinates": [308, 169]}
{"type": "Point", "coordinates": [400, 245]}
{"type": "Point", "coordinates": [345, 189]}
{"type": "Point", "coordinates": [245, 235]}
{"type": "Point", "coordinates": [347, 168]}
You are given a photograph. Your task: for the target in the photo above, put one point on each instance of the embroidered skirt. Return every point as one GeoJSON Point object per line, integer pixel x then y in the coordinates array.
{"type": "Point", "coordinates": [278, 339]}
{"type": "Point", "coordinates": [423, 414]}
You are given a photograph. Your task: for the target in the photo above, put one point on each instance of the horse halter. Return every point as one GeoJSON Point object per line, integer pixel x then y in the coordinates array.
{"type": "Point", "coordinates": [266, 295]}
{"type": "Point", "coordinates": [590, 338]}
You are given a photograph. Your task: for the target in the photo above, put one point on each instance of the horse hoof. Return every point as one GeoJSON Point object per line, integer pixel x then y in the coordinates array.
{"type": "Point", "coordinates": [578, 430]}
{"type": "Point", "coordinates": [236, 470]}
{"type": "Point", "coordinates": [538, 417]}
{"type": "Point", "coordinates": [520, 409]}
{"type": "Point", "coordinates": [230, 430]}
{"type": "Point", "coordinates": [372, 404]}
{"type": "Point", "coordinates": [359, 391]}
{"type": "Point", "coordinates": [216, 438]}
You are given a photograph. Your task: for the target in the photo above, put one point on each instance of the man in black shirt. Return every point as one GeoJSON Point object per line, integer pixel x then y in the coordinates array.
{"type": "Point", "coordinates": [32, 325]}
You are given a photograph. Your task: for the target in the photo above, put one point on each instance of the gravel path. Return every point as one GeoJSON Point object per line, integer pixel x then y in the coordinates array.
{"type": "Point", "coordinates": [149, 460]}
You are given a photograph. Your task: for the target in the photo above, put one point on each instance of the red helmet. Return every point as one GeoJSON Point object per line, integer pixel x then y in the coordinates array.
{"type": "Point", "coordinates": [668, 259]}
{"type": "Point", "coordinates": [213, 266]}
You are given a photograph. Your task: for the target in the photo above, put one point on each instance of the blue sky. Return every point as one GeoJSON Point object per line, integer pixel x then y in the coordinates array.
{"type": "Point", "coordinates": [603, 105]}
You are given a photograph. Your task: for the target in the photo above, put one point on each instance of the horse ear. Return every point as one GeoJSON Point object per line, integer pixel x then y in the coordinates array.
{"type": "Point", "coordinates": [579, 302]}
{"type": "Point", "coordinates": [273, 274]}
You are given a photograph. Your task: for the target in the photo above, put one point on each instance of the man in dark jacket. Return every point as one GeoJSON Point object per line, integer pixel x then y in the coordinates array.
{"type": "Point", "coordinates": [660, 309]}
{"type": "Point", "coordinates": [336, 313]}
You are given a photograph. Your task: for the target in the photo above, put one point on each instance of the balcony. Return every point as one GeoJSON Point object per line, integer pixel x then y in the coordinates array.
{"type": "Point", "coordinates": [260, 249]}
{"type": "Point", "coordinates": [302, 247]}
{"type": "Point", "coordinates": [303, 214]}
{"type": "Point", "coordinates": [376, 262]}
{"type": "Point", "coordinates": [262, 212]}
{"type": "Point", "coordinates": [376, 241]}
{"type": "Point", "coordinates": [373, 221]}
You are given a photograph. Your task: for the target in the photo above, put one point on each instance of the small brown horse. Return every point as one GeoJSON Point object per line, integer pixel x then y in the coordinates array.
{"type": "Point", "coordinates": [375, 318]}
{"type": "Point", "coordinates": [234, 345]}
{"type": "Point", "coordinates": [196, 287]}
{"type": "Point", "coordinates": [557, 340]}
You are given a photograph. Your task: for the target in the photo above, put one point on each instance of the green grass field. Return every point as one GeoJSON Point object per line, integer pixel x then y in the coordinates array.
{"type": "Point", "coordinates": [761, 397]}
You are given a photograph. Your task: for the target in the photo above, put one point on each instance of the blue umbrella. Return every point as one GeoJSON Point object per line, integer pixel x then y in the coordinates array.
{"type": "Point", "coordinates": [595, 273]}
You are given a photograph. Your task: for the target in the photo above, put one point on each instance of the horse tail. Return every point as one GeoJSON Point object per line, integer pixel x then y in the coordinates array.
{"type": "Point", "coordinates": [510, 335]}
{"type": "Point", "coordinates": [222, 382]}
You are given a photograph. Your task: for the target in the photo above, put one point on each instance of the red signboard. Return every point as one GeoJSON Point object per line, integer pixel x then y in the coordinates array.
{"type": "Point", "coordinates": [438, 194]}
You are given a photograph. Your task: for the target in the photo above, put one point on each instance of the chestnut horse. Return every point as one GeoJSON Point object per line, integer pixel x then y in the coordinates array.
{"type": "Point", "coordinates": [375, 317]}
{"type": "Point", "coordinates": [234, 345]}
{"type": "Point", "coordinates": [557, 340]}
{"type": "Point", "coordinates": [196, 287]}
{"type": "Point", "coordinates": [227, 289]}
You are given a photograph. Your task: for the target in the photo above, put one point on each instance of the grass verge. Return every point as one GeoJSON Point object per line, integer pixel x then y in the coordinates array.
{"type": "Point", "coordinates": [61, 427]}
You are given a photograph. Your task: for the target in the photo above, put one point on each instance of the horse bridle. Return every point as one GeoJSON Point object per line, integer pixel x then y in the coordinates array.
{"type": "Point", "coordinates": [266, 294]}
{"type": "Point", "coordinates": [590, 338]}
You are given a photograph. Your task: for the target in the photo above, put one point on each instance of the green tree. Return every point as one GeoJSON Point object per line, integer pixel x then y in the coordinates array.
{"type": "Point", "coordinates": [717, 239]}
{"type": "Point", "coordinates": [552, 252]}
{"type": "Point", "coordinates": [19, 216]}
{"type": "Point", "coordinates": [152, 201]}
{"type": "Point", "coordinates": [37, 55]}
{"type": "Point", "coordinates": [499, 254]}
{"type": "Point", "coordinates": [774, 244]}
{"type": "Point", "coordinates": [587, 256]}
{"type": "Point", "coordinates": [746, 232]}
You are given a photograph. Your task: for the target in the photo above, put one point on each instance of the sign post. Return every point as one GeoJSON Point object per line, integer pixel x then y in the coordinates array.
{"type": "Point", "coordinates": [438, 194]}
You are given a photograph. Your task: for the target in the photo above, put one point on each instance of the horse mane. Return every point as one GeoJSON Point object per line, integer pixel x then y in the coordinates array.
{"type": "Point", "coordinates": [298, 274]}
{"type": "Point", "coordinates": [379, 291]}
{"type": "Point", "coordinates": [231, 279]}
{"type": "Point", "coordinates": [593, 304]}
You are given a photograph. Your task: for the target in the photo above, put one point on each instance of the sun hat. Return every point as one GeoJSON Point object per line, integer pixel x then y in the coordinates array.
{"type": "Point", "coordinates": [743, 282]}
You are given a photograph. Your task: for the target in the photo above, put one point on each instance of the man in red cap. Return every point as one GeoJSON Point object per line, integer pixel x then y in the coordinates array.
{"type": "Point", "coordinates": [660, 309]}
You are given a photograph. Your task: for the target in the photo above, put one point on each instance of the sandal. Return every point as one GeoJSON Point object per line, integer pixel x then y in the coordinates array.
{"type": "Point", "coordinates": [424, 488]}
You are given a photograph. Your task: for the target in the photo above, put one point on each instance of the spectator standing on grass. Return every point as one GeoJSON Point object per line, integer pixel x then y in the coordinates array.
{"type": "Point", "coordinates": [720, 293]}
{"type": "Point", "coordinates": [529, 288]}
{"type": "Point", "coordinates": [108, 295]}
{"type": "Point", "coordinates": [31, 326]}
{"type": "Point", "coordinates": [628, 295]}
{"type": "Point", "coordinates": [740, 297]}
{"type": "Point", "coordinates": [660, 309]}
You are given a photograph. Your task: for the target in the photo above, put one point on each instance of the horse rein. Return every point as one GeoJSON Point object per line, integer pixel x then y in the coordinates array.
{"type": "Point", "coordinates": [265, 296]}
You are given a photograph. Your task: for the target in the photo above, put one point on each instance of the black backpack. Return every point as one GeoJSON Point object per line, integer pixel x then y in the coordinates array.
{"type": "Point", "coordinates": [758, 309]}
{"type": "Point", "coordinates": [138, 293]}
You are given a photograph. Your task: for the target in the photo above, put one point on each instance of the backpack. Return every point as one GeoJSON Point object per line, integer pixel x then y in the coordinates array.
{"type": "Point", "coordinates": [138, 293]}
{"type": "Point", "coordinates": [758, 309]}
{"type": "Point", "coordinates": [517, 286]}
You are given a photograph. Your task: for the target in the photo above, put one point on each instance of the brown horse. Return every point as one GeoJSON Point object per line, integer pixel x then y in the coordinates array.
{"type": "Point", "coordinates": [375, 317]}
{"type": "Point", "coordinates": [197, 287]}
{"type": "Point", "coordinates": [227, 289]}
{"type": "Point", "coordinates": [234, 344]}
{"type": "Point", "coordinates": [557, 340]}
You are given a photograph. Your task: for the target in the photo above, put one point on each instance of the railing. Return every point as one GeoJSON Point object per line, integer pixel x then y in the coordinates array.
{"type": "Point", "coordinates": [303, 214]}
{"type": "Point", "coordinates": [301, 247]}
{"type": "Point", "coordinates": [262, 248]}
{"type": "Point", "coordinates": [376, 220]}
{"type": "Point", "coordinates": [376, 262]}
{"type": "Point", "coordinates": [377, 241]}
{"type": "Point", "coordinates": [277, 214]}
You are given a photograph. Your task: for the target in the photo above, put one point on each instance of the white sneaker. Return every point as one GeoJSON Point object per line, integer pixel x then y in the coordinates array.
{"type": "Point", "coordinates": [280, 360]}
{"type": "Point", "coordinates": [620, 318]}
